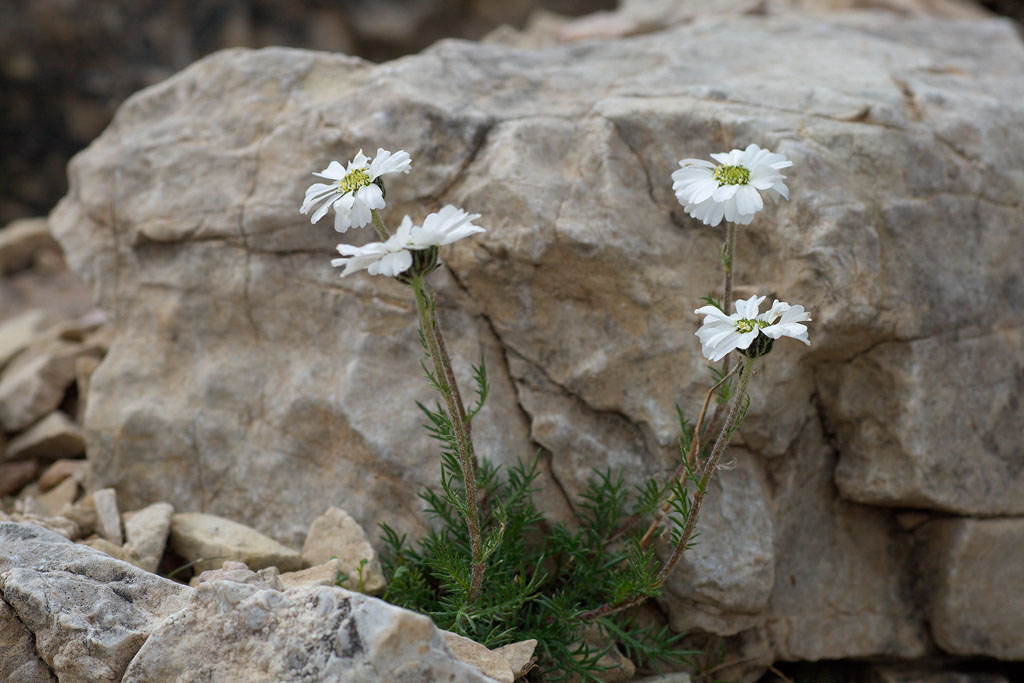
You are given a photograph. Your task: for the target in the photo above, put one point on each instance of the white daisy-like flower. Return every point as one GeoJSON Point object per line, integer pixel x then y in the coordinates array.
{"type": "Point", "coordinates": [395, 256]}
{"type": "Point", "coordinates": [353, 191]}
{"type": "Point", "coordinates": [731, 190]}
{"type": "Point", "coordinates": [722, 333]}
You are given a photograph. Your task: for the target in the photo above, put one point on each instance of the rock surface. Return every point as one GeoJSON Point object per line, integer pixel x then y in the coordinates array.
{"type": "Point", "coordinates": [209, 540]}
{"type": "Point", "coordinates": [108, 517]}
{"type": "Point", "coordinates": [231, 627]}
{"type": "Point", "coordinates": [183, 219]}
{"type": "Point", "coordinates": [54, 437]}
{"type": "Point", "coordinates": [336, 534]}
{"type": "Point", "coordinates": [146, 533]}
{"type": "Point", "coordinates": [89, 613]}
{"type": "Point", "coordinates": [20, 663]}
{"type": "Point", "coordinates": [976, 568]}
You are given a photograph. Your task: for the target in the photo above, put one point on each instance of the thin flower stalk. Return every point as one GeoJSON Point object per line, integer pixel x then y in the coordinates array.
{"type": "Point", "coordinates": [728, 256]}
{"type": "Point", "coordinates": [709, 469]}
{"type": "Point", "coordinates": [446, 383]}
{"type": "Point", "coordinates": [689, 462]}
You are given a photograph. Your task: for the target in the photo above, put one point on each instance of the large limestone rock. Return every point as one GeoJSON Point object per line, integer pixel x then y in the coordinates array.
{"type": "Point", "coordinates": [209, 540]}
{"type": "Point", "coordinates": [88, 612]}
{"type": "Point", "coordinates": [20, 661]}
{"type": "Point", "coordinates": [248, 381]}
{"type": "Point", "coordinates": [318, 633]}
{"type": "Point", "coordinates": [976, 572]}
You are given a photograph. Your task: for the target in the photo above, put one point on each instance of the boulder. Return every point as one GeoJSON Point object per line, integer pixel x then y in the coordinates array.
{"type": "Point", "coordinates": [17, 332]}
{"type": "Point", "coordinates": [59, 471]}
{"type": "Point", "coordinates": [209, 540]}
{"type": "Point", "coordinates": [249, 381]}
{"type": "Point", "coordinates": [88, 612]}
{"type": "Point", "coordinates": [317, 633]}
{"type": "Point", "coordinates": [975, 576]}
{"type": "Point", "coordinates": [14, 475]}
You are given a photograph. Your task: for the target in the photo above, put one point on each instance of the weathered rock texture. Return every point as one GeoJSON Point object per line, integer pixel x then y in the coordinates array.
{"type": "Point", "coordinates": [247, 380]}
{"type": "Point", "coordinates": [88, 613]}
{"type": "Point", "coordinates": [231, 630]}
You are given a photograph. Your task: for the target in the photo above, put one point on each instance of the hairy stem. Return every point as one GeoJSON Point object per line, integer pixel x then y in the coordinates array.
{"type": "Point", "coordinates": [728, 253]}
{"type": "Point", "coordinates": [698, 497]}
{"type": "Point", "coordinates": [446, 381]}
{"type": "Point", "coordinates": [378, 225]}
{"type": "Point", "coordinates": [690, 460]}
{"type": "Point", "coordinates": [709, 470]}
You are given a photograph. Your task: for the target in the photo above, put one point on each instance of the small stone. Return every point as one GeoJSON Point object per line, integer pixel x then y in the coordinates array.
{"type": "Point", "coordinates": [84, 367]}
{"type": "Point", "coordinates": [519, 656]}
{"type": "Point", "coordinates": [59, 471]}
{"type": "Point", "coordinates": [208, 540]}
{"type": "Point", "coordinates": [17, 332]}
{"type": "Point", "coordinates": [230, 571]}
{"type": "Point", "coordinates": [83, 513]}
{"type": "Point", "coordinates": [325, 574]}
{"type": "Point", "coordinates": [55, 436]}
{"type": "Point", "coordinates": [490, 663]}
{"type": "Point", "coordinates": [14, 476]}
{"type": "Point", "coordinates": [60, 497]}
{"type": "Point", "coordinates": [34, 383]}
{"type": "Point", "coordinates": [108, 519]}
{"type": "Point", "coordinates": [271, 576]}
{"type": "Point", "coordinates": [21, 240]}
{"type": "Point", "coordinates": [118, 552]}
{"type": "Point", "coordinates": [146, 532]}
{"type": "Point", "coordinates": [336, 534]}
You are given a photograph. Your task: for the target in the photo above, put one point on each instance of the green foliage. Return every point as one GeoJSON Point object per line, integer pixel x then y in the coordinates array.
{"type": "Point", "coordinates": [540, 577]}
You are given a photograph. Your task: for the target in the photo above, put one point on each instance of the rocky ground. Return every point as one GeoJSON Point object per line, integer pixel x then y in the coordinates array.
{"type": "Point", "coordinates": [224, 403]}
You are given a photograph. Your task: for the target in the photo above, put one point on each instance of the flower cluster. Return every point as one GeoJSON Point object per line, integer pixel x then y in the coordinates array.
{"type": "Point", "coordinates": [743, 330]}
{"type": "Point", "coordinates": [731, 190]}
{"type": "Point", "coordinates": [395, 255]}
{"type": "Point", "coordinates": [354, 192]}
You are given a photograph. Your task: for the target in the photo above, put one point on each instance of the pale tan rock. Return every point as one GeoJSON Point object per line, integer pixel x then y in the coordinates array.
{"type": "Point", "coordinates": [33, 384]}
{"type": "Point", "coordinates": [54, 437]}
{"type": "Point", "coordinates": [16, 333]}
{"type": "Point", "coordinates": [20, 662]}
{"type": "Point", "coordinates": [85, 366]}
{"type": "Point", "coordinates": [59, 471]}
{"type": "Point", "coordinates": [325, 574]}
{"type": "Point", "coordinates": [59, 497]}
{"type": "Point", "coordinates": [490, 663]}
{"type": "Point", "coordinates": [108, 518]}
{"type": "Point", "coordinates": [230, 571]}
{"type": "Point", "coordinates": [14, 476]}
{"type": "Point", "coordinates": [317, 633]}
{"type": "Point", "coordinates": [118, 552]}
{"type": "Point", "coordinates": [336, 534]}
{"type": "Point", "coordinates": [146, 533]}
{"type": "Point", "coordinates": [22, 240]}
{"type": "Point", "coordinates": [83, 514]}
{"type": "Point", "coordinates": [519, 655]}
{"type": "Point", "coordinates": [975, 574]}
{"type": "Point", "coordinates": [209, 540]}
{"type": "Point", "coordinates": [616, 666]}
{"type": "Point", "coordinates": [58, 524]}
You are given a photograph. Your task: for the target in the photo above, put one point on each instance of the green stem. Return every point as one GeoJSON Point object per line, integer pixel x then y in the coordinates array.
{"type": "Point", "coordinates": [700, 491]}
{"type": "Point", "coordinates": [728, 253]}
{"type": "Point", "coordinates": [378, 225]}
{"type": "Point", "coordinates": [446, 383]}
{"type": "Point", "coordinates": [698, 497]}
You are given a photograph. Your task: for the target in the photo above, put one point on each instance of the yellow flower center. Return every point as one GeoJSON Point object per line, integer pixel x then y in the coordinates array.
{"type": "Point", "coordinates": [744, 325]}
{"type": "Point", "coordinates": [732, 175]}
{"type": "Point", "coordinates": [354, 180]}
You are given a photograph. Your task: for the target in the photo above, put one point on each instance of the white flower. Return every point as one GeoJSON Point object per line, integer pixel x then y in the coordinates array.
{"type": "Point", "coordinates": [731, 190]}
{"type": "Point", "coordinates": [395, 256]}
{"type": "Point", "coordinates": [353, 192]}
{"type": "Point", "coordinates": [722, 333]}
